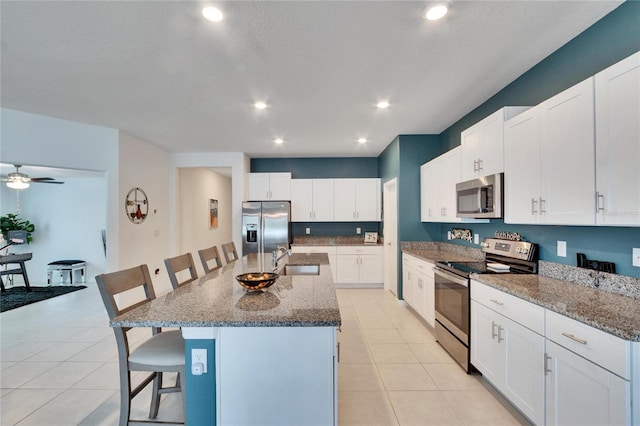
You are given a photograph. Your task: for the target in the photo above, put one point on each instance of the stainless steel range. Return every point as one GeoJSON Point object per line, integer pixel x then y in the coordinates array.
{"type": "Point", "coordinates": [452, 290]}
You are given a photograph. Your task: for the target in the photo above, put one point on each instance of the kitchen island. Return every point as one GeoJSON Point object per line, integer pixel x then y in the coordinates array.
{"type": "Point", "coordinates": [270, 356]}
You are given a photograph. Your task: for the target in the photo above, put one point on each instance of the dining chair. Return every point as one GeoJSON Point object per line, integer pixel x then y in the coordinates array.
{"type": "Point", "coordinates": [210, 254]}
{"type": "Point", "coordinates": [176, 267]}
{"type": "Point", "coordinates": [230, 253]}
{"type": "Point", "coordinates": [162, 352]}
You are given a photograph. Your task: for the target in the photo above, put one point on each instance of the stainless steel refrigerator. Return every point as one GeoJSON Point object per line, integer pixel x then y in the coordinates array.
{"type": "Point", "coordinates": [265, 224]}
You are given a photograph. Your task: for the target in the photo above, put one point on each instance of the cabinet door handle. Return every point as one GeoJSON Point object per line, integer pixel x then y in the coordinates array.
{"type": "Point", "coordinates": [493, 330]}
{"type": "Point", "coordinates": [533, 206]}
{"type": "Point", "coordinates": [338, 351]}
{"type": "Point", "coordinates": [547, 363]}
{"type": "Point", "coordinates": [500, 338]}
{"type": "Point", "coordinates": [599, 197]}
{"type": "Point", "coordinates": [574, 338]}
{"type": "Point", "coordinates": [497, 302]}
{"type": "Point", "coordinates": [542, 210]}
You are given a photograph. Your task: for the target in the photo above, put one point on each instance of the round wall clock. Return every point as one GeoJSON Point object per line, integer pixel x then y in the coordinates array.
{"type": "Point", "coordinates": [136, 205]}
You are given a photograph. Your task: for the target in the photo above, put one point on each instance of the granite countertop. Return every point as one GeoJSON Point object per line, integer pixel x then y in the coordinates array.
{"type": "Point", "coordinates": [217, 300]}
{"type": "Point", "coordinates": [613, 313]}
{"type": "Point", "coordinates": [333, 241]}
{"type": "Point", "coordinates": [435, 255]}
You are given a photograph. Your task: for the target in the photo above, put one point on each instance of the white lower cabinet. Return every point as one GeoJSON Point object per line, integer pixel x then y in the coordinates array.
{"type": "Point", "coordinates": [580, 392]}
{"type": "Point", "coordinates": [511, 357]}
{"type": "Point", "coordinates": [555, 370]}
{"type": "Point", "coordinates": [359, 265]}
{"type": "Point", "coordinates": [418, 288]}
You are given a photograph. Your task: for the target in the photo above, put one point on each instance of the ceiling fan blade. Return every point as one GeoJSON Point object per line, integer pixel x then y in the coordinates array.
{"type": "Point", "coordinates": [41, 179]}
{"type": "Point", "coordinates": [45, 180]}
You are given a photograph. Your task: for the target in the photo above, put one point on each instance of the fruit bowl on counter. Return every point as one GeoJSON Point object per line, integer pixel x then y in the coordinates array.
{"type": "Point", "coordinates": [257, 280]}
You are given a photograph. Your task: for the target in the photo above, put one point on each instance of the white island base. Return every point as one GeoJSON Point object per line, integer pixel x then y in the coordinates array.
{"type": "Point", "coordinates": [271, 375]}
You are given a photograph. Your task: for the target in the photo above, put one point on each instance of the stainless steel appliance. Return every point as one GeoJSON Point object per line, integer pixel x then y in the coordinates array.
{"type": "Point", "coordinates": [452, 294]}
{"type": "Point", "coordinates": [265, 226]}
{"type": "Point", "coordinates": [480, 198]}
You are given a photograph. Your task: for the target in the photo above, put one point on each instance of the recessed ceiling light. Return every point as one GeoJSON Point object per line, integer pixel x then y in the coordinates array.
{"type": "Point", "coordinates": [383, 104]}
{"type": "Point", "coordinates": [436, 10]}
{"type": "Point", "coordinates": [279, 141]}
{"type": "Point", "coordinates": [212, 13]}
{"type": "Point", "coordinates": [362, 140]}
{"type": "Point", "coordinates": [260, 105]}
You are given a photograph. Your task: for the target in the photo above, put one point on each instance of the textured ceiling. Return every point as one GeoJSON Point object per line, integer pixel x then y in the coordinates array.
{"type": "Point", "coordinates": [159, 71]}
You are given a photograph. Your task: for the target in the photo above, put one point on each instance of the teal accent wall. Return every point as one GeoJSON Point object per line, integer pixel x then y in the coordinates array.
{"type": "Point", "coordinates": [342, 229]}
{"type": "Point", "coordinates": [201, 396]}
{"type": "Point", "coordinates": [402, 160]}
{"type": "Point", "coordinates": [606, 42]}
{"type": "Point", "coordinates": [318, 168]}
{"type": "Point", "coordinates": [610, 244]}
{"type": "Point", "coordinates": [609, 40]}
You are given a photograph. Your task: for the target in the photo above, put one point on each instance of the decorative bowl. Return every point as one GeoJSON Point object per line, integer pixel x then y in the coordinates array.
{"type": "Point", "coordinates": [257, 280]}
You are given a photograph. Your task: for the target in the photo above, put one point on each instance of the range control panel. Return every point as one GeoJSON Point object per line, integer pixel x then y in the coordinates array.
{"type": "Point", "coordinates": [516, 249]}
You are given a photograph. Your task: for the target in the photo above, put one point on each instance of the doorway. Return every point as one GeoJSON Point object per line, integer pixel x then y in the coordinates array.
{"type": "Point", "coordinates": [390, 221]}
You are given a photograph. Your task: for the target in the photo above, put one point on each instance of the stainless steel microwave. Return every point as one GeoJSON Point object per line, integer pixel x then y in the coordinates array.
{"type": "Point", "coordinates": [480, 198]}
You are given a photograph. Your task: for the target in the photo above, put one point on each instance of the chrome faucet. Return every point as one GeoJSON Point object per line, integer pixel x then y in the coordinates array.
{"type": "Point", "coordinates": [277, 256]}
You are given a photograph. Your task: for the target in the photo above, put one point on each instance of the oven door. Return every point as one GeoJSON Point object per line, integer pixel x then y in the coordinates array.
{"type": "Point", "coordinates": [452, 303]}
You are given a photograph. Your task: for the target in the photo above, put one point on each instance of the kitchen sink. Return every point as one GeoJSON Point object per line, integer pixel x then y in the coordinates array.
{"type": "Point", "coordinates": [308, 269]}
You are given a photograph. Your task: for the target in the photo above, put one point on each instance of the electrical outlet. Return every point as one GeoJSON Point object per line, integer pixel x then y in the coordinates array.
{"type": "Point", "coordinates": [476, 238]}
{"type": "Point", "coordinates": [198, 361]}
{"type": "Point", "coordinates": [448, 235]}
{"type": "Point", "coordinates": [636, 257]}
{"type": "Point", "coordinates": [358, 231]}
{"type": "Point", "coordinates": [562, 248]}
{"type": "Point", "coordinates": [307, 231]}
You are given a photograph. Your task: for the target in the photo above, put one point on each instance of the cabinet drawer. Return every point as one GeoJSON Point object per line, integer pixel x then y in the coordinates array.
{"type": "Point", "coordinates": [597, 346]}
{"type": "Point", "coordinates": [512, 307]}
{"type": "Point", "coordinates": [418, 264]}
{"type": "Point", "coordinates": [330, 250]}
{"type": "Point", "coordinates": [359, 250]}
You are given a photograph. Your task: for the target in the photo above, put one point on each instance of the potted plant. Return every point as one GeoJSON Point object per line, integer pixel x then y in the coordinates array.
{"type": "Point", "coordinates": [11, 222]}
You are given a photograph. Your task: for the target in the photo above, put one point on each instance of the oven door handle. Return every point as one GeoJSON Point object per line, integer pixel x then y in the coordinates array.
{"type": "Point", "coordinates": [453, 277]}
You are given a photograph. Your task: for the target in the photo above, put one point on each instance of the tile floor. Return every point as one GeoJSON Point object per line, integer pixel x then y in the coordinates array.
{"type": "Point", "coordinates": [59, 367]}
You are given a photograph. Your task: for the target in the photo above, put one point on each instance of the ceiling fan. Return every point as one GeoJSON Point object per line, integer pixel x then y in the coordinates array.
{"type": "Point", "coordinates": [17, 180]}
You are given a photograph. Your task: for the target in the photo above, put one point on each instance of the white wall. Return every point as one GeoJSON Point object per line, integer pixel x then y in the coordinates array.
{"type": "Point", "coordinates": [145, 166]}
{"type": "Point", "coordinates": [240, 166]}
{"type": "Point", "coordinates": [195, 187]}
{"type": "Point", "coordinates": [45, 141]}
{"type": "Point", "coordinates": [68, 218]}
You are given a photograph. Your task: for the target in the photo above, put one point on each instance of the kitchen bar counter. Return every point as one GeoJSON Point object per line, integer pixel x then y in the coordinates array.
{"type": "Point", "coordinates": [261, 348]}
{"type": "Point", "coordinates": [613, 313]}
{"type": "Point", "coordinates": [217, 300]}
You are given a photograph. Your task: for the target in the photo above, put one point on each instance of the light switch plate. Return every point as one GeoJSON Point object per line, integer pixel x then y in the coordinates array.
{"type": "Point", "coordinates": [358, 231]}
{"type": "Point", "coordinates": [636, 257]}
{"type": "Point", "coordinates": [448, 235]}
{"type": "Point", "coordinates": [476, 238]}
{"type": "Point", "coordinates": [307, 231]}
{"type": "Point", "coordinates": [562, 248]}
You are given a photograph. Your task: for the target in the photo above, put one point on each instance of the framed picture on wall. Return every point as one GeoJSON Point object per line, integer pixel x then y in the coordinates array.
{"type": "Point", "coordinates": [213, 213]}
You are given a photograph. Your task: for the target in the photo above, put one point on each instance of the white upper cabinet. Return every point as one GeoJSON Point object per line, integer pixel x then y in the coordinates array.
{"type": "Point", "coordinates": [312, 200]}
{"type": "Point", "coordinates": [549, 161]}
{"type": "Point", "coordinates": [482, 145]}
{"type": "Point", "coordinates": [438, 179]}
{"type": "Point", "coordinates": [269, 186]}
{"type": "Point", "coordinates": [618, 143]}
{"type": "Point", "coordinates": [568, 160]}
{"type": "Point", "coordinates": [357, 200]}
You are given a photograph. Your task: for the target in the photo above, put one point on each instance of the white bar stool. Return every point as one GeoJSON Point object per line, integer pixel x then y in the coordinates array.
{"type": "Point", "coordinates": [70, 266]}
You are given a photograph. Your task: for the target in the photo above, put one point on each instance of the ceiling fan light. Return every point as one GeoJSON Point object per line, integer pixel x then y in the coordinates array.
{"type": "Point", "coordinates": [436, 10]}
{"type": "Point", "coordinates": [17, 184]}
{"type": "Point", "coordinates": [213, 14]}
